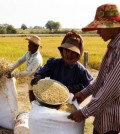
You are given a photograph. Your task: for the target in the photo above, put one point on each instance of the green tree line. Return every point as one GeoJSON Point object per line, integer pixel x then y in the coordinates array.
{"type": "Point", "coordinates": [51, 27]}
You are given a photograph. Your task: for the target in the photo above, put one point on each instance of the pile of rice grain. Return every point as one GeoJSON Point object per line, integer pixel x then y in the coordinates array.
{"type": "Point", "coordinates": [67, 107]}
{"type": "Point", "coordinates": [51, 92]}
{"type": "Point", "coordinates": [4, 69]}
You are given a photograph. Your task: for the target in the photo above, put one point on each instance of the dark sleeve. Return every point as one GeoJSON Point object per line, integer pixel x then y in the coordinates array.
{"type": "Point", "coordinates": [46, 69]}
{"type": "Point", "coordinates": [31, 96]}
{"type": "Point", "coordinates": [86, 78]}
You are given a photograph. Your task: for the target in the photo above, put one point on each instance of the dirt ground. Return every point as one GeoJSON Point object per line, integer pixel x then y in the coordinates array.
{"type": "Point", "coordinates": [24, 104]}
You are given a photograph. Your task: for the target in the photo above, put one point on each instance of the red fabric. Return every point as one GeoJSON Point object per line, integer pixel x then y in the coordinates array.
{"type": "Point", "coordinates": [108, 19]}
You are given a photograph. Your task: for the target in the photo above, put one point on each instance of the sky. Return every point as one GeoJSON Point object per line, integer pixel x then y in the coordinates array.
{"type": "Point", "coordinates": [70, 13]}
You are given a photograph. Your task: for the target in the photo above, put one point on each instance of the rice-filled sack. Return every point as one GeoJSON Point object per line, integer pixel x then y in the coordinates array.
{"type": "Point", "coordinates": [48, 120]}
{"type": "Point", "coordinates": [44, 120]}
{"type": "Point", "coordinates": [8, 99]}
{"type": "Point", "coordinates": [21, 123]}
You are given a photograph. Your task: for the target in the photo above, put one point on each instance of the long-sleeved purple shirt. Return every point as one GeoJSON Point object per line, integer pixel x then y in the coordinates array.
{"type": "Point", "coordinates": [105, 102]}
{"type": "Point", "coordinates": [75, 75]}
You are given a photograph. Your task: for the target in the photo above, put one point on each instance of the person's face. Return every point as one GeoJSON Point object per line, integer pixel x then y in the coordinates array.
{"type": "Point", "coordinates": [107, 33]}
{"type": "Point", "coordinates": [69, 56]}
{"type": "Point", "coordinates": [32, 47]}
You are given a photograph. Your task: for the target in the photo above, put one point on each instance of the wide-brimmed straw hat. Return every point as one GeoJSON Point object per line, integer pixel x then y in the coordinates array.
{"type": "Point", "coordinates": [71, 44]}
{"type": "Point", "coordinates": [107, 16]}
{"type": "Point", "coordinates": [35, 39]}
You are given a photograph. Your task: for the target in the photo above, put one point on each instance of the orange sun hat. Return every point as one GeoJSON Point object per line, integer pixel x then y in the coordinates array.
{"type": "Point", "coordinates": [107, 16]}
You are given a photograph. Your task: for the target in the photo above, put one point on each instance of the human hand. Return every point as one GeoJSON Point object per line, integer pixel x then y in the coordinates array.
{"type": "Point", "coordinates": [35, 80]}
{"type": "Point", "coordinates": [79, 96]}
{"type": "Point", "coordinates": [76, 116]}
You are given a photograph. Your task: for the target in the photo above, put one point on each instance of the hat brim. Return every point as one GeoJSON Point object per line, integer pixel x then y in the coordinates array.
{"type": "Point", "coordinates": [94, 25]}
{"type": "Point", "coordinates": [70, 47]}
{"type": "Point", "coordinates": [29, 39]}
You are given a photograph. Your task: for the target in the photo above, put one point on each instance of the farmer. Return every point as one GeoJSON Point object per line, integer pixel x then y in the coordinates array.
{"type": "Point", "coordinates": [32, 58]}
{"type": "Point", "coordinates": [105, 90]}
{"type": "Point", "coordinates": [67, 69]}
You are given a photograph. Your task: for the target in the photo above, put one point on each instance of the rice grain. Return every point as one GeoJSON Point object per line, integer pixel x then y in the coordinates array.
{"type": "Point", "coordinates": [51, 92]}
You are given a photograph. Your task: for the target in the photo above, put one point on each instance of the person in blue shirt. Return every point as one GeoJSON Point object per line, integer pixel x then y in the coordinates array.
{"type": "Point", "coordinates": [67, 69]}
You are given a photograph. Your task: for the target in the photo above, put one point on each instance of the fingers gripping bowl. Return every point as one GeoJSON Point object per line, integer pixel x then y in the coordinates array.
{"type": "Point", "coordinates": [51, 92]}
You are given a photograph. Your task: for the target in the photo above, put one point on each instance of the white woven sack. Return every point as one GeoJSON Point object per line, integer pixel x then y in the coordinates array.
{"type": "Point", "coordinates": [21, 125]}
{"type": "Point", "coordinates": [43, 120]}
{"type": "Point", "coordinates": [8, 104]}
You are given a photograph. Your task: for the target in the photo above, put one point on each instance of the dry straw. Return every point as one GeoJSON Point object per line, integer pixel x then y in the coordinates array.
{"type": "Point", "coordinates": [4, 69]}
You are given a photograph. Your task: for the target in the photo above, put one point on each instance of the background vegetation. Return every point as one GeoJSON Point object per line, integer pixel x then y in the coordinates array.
{"type": "Point", "coordinates": [51, 27]}
{"type": "Point", "coordinates": [14, 47]}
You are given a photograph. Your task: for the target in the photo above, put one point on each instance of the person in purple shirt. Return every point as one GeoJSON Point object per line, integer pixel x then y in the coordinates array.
{"type": "Point", "coordinates": [67, 69]}
{"type": "Point", "coordinates": [105, 90]}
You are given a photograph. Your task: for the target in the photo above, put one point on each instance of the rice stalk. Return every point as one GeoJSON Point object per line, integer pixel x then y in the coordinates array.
{"type": "Point", "coordinates": [4, 70]}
